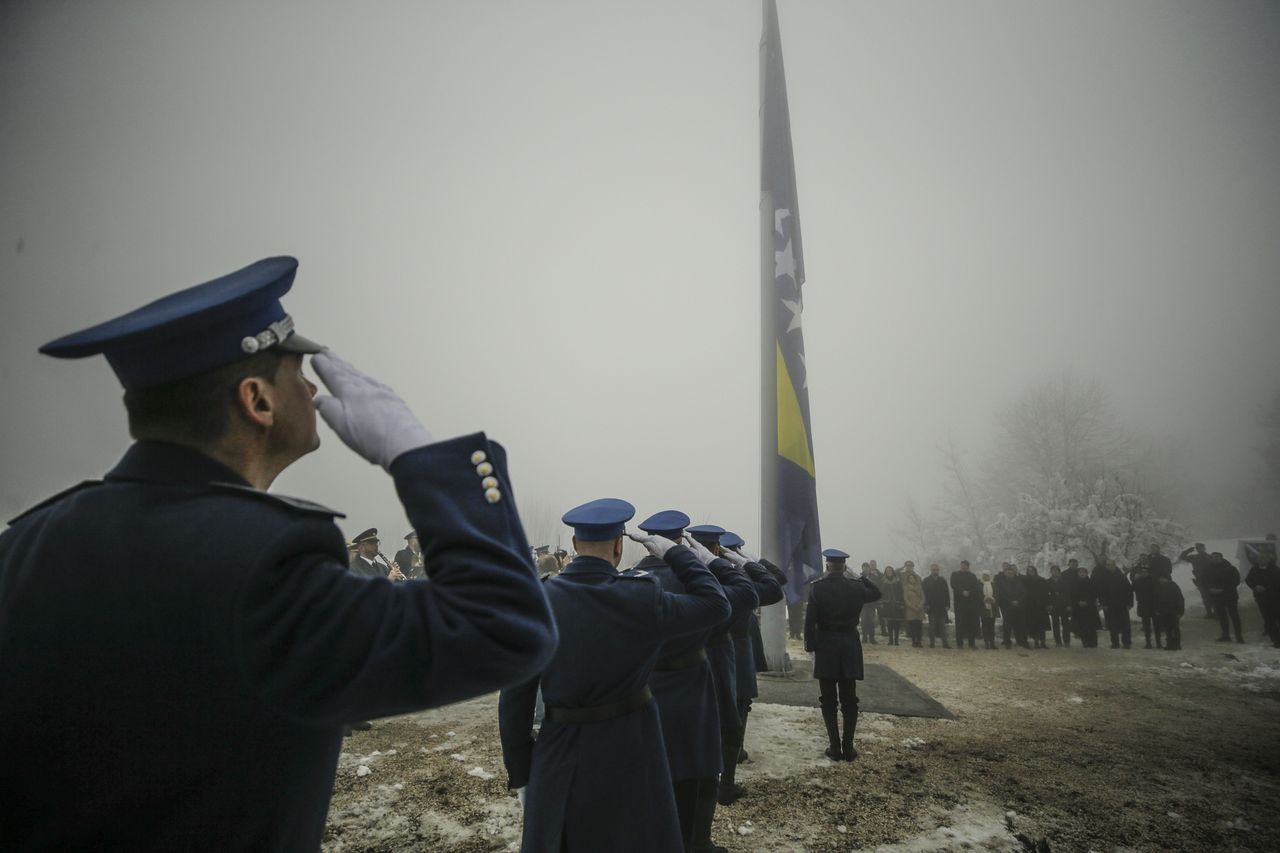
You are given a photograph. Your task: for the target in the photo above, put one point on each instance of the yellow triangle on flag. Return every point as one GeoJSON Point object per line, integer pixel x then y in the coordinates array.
{"type": "Point", "coordinates": [793, 438]}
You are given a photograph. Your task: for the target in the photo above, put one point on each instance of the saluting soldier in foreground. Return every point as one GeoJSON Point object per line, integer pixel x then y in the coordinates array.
{"type": "Point", "coordinates": [596, 778]}
{"type": "Point", "coordinates": [195, 700]}
{"type": "Point", "coordinates": [831, 633]}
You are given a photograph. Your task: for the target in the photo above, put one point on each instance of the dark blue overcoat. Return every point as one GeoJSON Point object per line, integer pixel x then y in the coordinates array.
{"type": "Point", "coordinates": [768, 588]}
{"type": "Point", "coordinates": [179, 651]}
{"type": "Point", "coordinates": [720, 647]}
{"type": "Point", "coordinates": [604, 785]}
{"type": "Point", "coordinates": [831, 624]}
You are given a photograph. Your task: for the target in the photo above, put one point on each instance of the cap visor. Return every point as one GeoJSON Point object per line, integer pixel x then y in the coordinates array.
{"type": "Point", "coordinates": [297, 343]}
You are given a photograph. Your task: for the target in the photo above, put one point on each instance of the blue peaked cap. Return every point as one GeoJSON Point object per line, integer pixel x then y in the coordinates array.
{"type": "Point", "coordinates": [707, 534]}
{"type": "Point", "coordinates": [195, 330]}
{"type": "Point", "coordinates": [669, 523]}
{"type": "Point", "coordinates": [835, 554]}
{"type": "Point", "coordinates": [599, 520]}
{"type": "Point", "coordinates": [732, 540]}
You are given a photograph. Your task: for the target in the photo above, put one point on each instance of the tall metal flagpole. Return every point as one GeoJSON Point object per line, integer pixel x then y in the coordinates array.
{"type": "Point", "coordinates": [789, 532]}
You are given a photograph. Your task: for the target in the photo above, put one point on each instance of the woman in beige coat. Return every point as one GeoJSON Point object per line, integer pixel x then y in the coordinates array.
{"type": "Point", "coordinates": [912, 603]}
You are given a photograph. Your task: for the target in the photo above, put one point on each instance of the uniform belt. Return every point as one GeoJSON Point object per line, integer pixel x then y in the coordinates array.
{"type": "Point", "coordinates": [718, 639]}
{"type": "Point", "coordinates": [672, 664]}
{"type": "Point", "coordinates": [597, 713]}
{"type": "Point", "coordinates": [741, 634]}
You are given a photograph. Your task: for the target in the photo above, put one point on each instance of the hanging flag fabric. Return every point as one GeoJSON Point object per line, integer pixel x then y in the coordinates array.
{"type": "Point", "coordinates": [788, 479]}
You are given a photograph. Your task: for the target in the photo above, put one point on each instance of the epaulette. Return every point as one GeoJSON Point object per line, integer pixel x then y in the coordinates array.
{"type": "Point", "coordinates": [636, 574]}
{"type": "Point", "coordinates": [87, 484]}
{"type": "Point", "coordinates": [295, 504]}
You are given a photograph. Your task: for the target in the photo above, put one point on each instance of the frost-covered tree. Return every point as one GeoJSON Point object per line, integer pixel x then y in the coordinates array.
{"type": "Point", "coordinates": [1062, 480]}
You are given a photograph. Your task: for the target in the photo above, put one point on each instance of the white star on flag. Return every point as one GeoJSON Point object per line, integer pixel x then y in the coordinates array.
{"type": "Point", "coordinates": [784, 263]}
{"type": "Point", "coordinates": [780, 214]}
{"type": "Point", "coordinates": [795, 308]}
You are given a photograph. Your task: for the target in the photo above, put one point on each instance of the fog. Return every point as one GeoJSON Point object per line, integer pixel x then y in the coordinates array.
{"type": "Point", "coordinates": [541, 220]}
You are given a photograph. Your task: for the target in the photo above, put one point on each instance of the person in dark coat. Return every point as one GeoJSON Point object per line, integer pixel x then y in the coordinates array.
{"type": "Point", "coordinates": [890, 604]}
{"type": "Point", "coordinates": [1200, 560]}
{"type": "Point", "coordinates": [1084, 607]}
{"type": "Point", "coordinates": [1037, 606]}
{"type": "Point", "coordinates": [937, 601]}
{"type": "Point", "coordinates": [1223, 582]}
{"type": "Point", "coordinates": [1264, 580]}
{"type": "Point", "coordinates": [409, 559]}
{"type": "Point", "coordinates": [704, 539]}
{"type": "Point", "coordinates": [768, 581]}
{"type": "Point", "coordinates": [1011, 596]}
{"type": "Point", "coordinates": [1169, 607]}
{"type": "Point", "coordinates": [597, 776]}
{"type": "Point", "coordinates": [1157, 563]}
{"type": "Point", "coordinates": [1144, 594]}
{"type": "Point", "coordinates": [968, 605]}
{"type": "Point", "coordinates": [831, 635]}
{"type": "Point", "coordinates": [871, 613]}
{"type": "Point", "coordinates": [181, 647]}
{"type": "Point", "coordinates": [1115, 593]}
{"type": "Point", "coordinates": [1059, 607]}
{"type": "Point", "coordinates": [684, 688]}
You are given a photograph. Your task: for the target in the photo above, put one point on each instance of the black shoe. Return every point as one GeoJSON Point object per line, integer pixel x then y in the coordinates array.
{"type": "Point", "coordinates": [849, 753]}
{"type": "Point", "coordinates": [743, 757]}
{"type": "Point", "coordinates": [362, 726]}
{"type": "Point", "coordinates": [834, 754]}
{"type": "Point", "coordinates": [729, 794]}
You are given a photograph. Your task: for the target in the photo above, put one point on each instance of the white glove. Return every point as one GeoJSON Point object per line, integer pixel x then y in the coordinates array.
{"type": "Point", "coordinates": [751, 558]}
{"type": "Point", "coordinates": [520, 795]}
{"type": "Point", "coordinates": [733, 557]}
{"type": "Point", "coordinates": [656, 545]}
{"type": "Point", "coordinates": [702, 551]}
{"type": "Point", "coordinates": [368, 416]}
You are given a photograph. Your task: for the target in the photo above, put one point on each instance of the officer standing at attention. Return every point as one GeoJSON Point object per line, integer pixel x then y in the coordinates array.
{"type": "Point", "coordinates": [242, 641]}
{"type": "Point", "coordinates": [768, 583]}
{"type": "Point", "coordinates": [831, 633]}
{"type": "Point", "coordinates": [597, 778]}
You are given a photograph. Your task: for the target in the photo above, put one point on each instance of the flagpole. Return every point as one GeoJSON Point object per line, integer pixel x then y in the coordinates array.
{"type": "Point", "coordinates": [773, 619]}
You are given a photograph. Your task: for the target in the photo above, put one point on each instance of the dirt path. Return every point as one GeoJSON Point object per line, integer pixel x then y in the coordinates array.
{"type": "Point", "coordinates": [1084, 749]}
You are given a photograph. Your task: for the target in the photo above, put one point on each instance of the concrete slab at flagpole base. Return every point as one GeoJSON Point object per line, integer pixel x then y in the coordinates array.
{"type": "Point", "coordinates": [882, 692]}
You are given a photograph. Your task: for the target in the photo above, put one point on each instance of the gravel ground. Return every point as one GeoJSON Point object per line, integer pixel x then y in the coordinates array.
{"type": "Point", "coordinates": [1072, 749]}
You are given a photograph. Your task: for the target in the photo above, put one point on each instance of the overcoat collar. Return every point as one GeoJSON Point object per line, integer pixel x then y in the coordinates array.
{"type": "Point", "coordinates": [171, 464]}
{"type": "Point", "coordinates": [589, 566]}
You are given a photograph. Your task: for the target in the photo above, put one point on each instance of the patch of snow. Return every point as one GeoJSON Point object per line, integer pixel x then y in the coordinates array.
{"type": "Point", "coordinates": [842, 829]}
{"type": "Point", "coordinates": [363, 770]}
{"type": "Point", "coordinates": [479, 773]}
{"type": "Point", "coordinates": [912, 742]}
{"type": "Point", "coordinates": [976, 826]}
{"type": "Point", "coordinates": [1076, 700]}
{"type": "Point", "coordinates": [457, 756]}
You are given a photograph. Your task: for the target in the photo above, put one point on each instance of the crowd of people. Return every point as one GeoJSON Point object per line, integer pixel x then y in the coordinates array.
{"type": "Point", "coordinates": [1024, 608]}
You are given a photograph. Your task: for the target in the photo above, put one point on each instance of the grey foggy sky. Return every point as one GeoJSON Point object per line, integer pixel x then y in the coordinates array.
{"type": "Point", "coordinates": [541, 220]}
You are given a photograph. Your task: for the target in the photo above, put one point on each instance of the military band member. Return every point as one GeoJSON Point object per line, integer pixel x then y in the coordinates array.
{"type": "Point", "coordinates": [596, 779]}
{"type": "Point", "coordinates": [831, 634]}
{"type": "Point", "coordinates": [369, 562]}
{"type": "Point", "coordinates": [242, 641]}
{"type": "Point", "coordinates": [409, 559]}
{"type": "Point", "coordinates": [547, 564]}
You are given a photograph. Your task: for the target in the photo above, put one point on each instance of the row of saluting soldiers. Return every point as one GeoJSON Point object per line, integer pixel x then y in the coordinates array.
{"type": "Point", "coordinates": [647, 696]}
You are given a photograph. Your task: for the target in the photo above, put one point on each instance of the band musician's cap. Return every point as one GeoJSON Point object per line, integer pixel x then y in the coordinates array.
{"type": "Point", "coordinates": [668, 523]}
{"type": "Point", "coordinates": [732, 540]}
{"type": "Point", "coordinates": [412, 534]}
{"type": "Point", "coordinates": [835, 555]}
{"type": "Point", "coordinates": [599, 520]}
{"type": "Point", "coordinates": [195, 330]}
{"type": "Point", "coordinates": [370, 535]}
{"type": "Point", "coordinates": [707, 534]}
